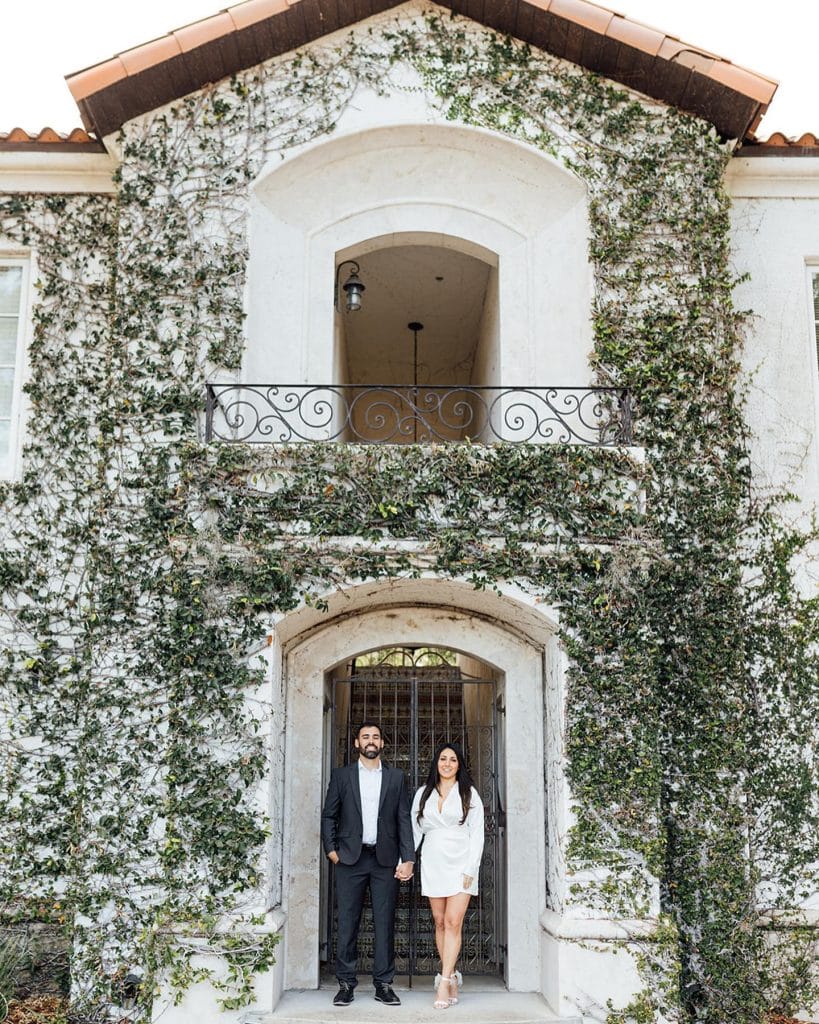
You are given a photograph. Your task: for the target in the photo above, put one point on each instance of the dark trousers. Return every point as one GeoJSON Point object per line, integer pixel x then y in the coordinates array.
{"type": "Point", "coordinates": [352, 881]}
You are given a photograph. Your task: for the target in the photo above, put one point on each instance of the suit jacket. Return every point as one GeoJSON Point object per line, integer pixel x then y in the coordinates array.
{"type": "Point", "coordinates": [341, 822]}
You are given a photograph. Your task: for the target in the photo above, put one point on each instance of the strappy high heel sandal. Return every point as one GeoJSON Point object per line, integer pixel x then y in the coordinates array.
{"type": "Point", "coordinates": [441, 1004]}
{"type": "Point", "coordinates": [457, 980]}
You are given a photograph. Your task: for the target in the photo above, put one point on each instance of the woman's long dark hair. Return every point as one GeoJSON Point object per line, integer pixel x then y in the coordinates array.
{"type": "Point", "coordinates": [462, 777]}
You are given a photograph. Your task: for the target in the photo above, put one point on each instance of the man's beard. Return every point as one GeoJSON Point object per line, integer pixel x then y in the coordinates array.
{"type": "Point", "coordinates": [371, 753]}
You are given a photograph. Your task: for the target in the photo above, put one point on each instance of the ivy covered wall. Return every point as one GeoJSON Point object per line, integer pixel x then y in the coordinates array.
{"type": "Point", "coordinates": [140, 566]}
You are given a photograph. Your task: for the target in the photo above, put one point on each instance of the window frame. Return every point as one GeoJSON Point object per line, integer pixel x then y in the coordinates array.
{"type": "Point", "coordinates": [812, 278]}
{"type": "Point", "coordinates": [10, 460]}
{"type": "Point", "coordinates": [813, 286]}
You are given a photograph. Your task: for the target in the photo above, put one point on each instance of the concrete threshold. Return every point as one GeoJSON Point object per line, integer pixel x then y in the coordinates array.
{"type": "Point", "coordinates": [479, 1004]}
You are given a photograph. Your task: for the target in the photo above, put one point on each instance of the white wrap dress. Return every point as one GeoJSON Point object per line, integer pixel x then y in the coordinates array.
{"type": "Point", "coordinates": [451, 850]}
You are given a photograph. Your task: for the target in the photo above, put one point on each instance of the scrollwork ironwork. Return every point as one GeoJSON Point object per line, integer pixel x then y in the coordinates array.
{"type": "Point", "coordinates": [398, 414]}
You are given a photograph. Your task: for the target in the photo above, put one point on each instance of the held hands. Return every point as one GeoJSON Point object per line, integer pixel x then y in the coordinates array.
{"type": "Point", "coordinates": [468, 880]}
{"type": "Point", "coordinates": [404, 871]}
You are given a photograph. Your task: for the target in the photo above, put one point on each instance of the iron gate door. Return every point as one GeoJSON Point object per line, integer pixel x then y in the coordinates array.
{"type": "Point", "coordinates": [422, 697]}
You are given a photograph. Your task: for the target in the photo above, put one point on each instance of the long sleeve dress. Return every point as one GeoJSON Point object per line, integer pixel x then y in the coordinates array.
{"type": "Point", "coordinates": [451, 850]}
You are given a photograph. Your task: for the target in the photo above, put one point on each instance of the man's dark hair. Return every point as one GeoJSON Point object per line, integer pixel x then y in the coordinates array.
{"type": "Point", "coordinates": [369, 725]}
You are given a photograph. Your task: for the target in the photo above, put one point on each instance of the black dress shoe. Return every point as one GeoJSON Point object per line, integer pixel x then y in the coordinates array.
{"type": "Point", "coordinates": [385, 994]}
{"type": "Point", "coordinates": [345, 994]}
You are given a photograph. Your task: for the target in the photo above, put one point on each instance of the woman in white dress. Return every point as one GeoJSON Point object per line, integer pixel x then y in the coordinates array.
{"type": "Point", "coordinates": [447, 814]}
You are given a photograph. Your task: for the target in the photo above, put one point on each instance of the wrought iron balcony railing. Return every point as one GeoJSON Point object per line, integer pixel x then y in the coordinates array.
{"type": "Point", "coordinates": [404, 414]}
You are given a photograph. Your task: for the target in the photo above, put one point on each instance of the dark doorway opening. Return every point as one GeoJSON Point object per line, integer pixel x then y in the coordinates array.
{"type": "Point", "coordinates": [423, 696]}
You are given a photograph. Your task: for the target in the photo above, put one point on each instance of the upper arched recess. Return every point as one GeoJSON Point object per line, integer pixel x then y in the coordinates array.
{"type": "Point", "coordinates": [437, 184]}
{"type": "Point", "coordinates": [388, 163]}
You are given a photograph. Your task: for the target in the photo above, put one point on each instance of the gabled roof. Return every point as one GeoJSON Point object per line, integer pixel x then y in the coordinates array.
{"type": "Point", "coordinates": [732, 98]}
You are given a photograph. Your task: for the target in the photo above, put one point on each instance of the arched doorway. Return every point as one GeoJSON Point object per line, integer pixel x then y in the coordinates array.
{"type": "Point", "coordinates": [516, 641]}
{"type": "Point", "coordinates": [423, 696]}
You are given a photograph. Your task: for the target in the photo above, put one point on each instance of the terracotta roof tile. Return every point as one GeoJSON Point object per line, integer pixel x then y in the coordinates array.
{"type": "Point", "coordinates": [779, 144]}
{"type": "Point", "coordinates": [582, 13]}
{"type": "Point", "coordinates": [47, 136]}
{"type": "Point", "coordinates": [641, 37]}
{"type": "Point", "coordinates": [17, 135]}
{"type": "Point", "coordinates": [808, 139]}
{"type": "Point", "coordinates": [253, 11]}
{"type": "Point", "coordinates": [96, 78]}
{"type": "Point", "coordinates": [79, 135]}
{"type": "Point", "coordinates": [684, 56]}
{"type": "Point", "coordinates": [77, 140]}
{"type": "Point", "coordinates": [149, 54]}
{"type": "Point", "coordinates": [743, 81]}
{"type": "Point", "coordinates": [201, 32]}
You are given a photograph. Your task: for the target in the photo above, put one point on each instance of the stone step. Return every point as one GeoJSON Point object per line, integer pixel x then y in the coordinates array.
{"type": "Point", "coordinates": [475, 1006]}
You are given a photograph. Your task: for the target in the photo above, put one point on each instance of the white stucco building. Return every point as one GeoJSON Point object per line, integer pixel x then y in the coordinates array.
{"type": "Point", "coordinates": [481, 239]}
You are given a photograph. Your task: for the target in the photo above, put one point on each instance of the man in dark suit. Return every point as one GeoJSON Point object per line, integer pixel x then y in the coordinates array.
{"type": "Point", "coordinates": [367, 834]}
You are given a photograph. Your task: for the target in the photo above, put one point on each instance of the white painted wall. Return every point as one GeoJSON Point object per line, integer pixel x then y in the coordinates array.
{"type": "Point", "coordinates": [56, 171]}
{"type": "Point", "coordinates": [486, 369]}
{"type": "Point", "coordinates": [775, 238]}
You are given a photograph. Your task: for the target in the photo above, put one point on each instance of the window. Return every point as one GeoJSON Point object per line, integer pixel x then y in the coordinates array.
{"type": "Point", "coordinates": [12, 287]}
{"type": "Point", "coordinates": [815, 278]}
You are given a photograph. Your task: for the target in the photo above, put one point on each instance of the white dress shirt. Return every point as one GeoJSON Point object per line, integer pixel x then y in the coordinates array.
{"type": "Point", "coordinates": [369, 784]}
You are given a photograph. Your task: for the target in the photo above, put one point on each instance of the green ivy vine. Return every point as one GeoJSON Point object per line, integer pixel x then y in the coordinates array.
{"type": "Point", "coordinates": [140, 566]}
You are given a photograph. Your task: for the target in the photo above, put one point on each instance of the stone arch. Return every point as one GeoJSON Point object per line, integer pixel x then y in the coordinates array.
{"type": "Point", "coordinates": [505, 631]}
{"type": "Point", "coordinates": [520, 613]}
